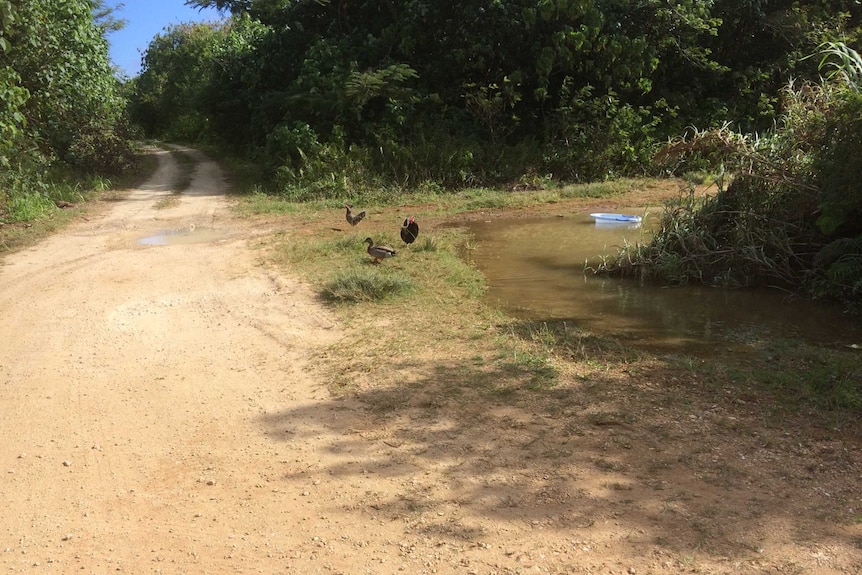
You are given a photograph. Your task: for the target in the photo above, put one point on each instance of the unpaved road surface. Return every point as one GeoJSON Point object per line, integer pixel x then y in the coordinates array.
{"type": "Point", "coordinates": [163, 410]}
{"type": "Point", "coordinates": [135, 382]}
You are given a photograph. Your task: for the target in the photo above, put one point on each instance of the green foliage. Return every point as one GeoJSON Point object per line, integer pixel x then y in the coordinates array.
{"type": "Point", "coordinates": [72, 91]}
{"type": "Point", "coordinates": [61, 109]}
{"type": "Point", "coordinates": [838, 163]}
{"type": "Point", "coordinates": [791, 213]}
{"type": "Point", "coordinates": [305, 168]}
{"type": "Point", "coordinates": [813, 377]}
{"type": "Point", "coordinates": [166, 97]}
{"type": "Point", "coordinates": [472, 93]}
{"type": "Point", "coordinates": [840, 263]}
{"type": "Point", "coordinates": [13, 97]}
{"type": "Point", "coordinates": [848, 66]}
{"type": "Point", "coordinates": [593, 138]}
{"type": "Point", "coordinates": [387, 83]}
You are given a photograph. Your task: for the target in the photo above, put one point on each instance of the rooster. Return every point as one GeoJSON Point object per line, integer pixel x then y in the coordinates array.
{"type": "Point", "coordinates": [409, 230]}
{"type": "Point", "coordinates": [351, 218]}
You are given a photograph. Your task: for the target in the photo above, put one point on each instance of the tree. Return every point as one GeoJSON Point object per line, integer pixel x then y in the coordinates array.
{"type": "Point", "coordinates": [176, 70]}
{"type": "Point", "coordinates": [74, 109]}
{"type": "Point", "coordinates": [103, 16]}
{"type": "Point", "coordinates": [13, 96]}
{"type": "Point", "coordinates": [483, 91]}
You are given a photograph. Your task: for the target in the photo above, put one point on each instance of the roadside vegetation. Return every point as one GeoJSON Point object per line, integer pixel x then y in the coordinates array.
{"type": "Point", "coordinates": [64, 133]}
{"type": "Point", "coordinates": [426, 305]}
{"type": "Point", "coordinates": [788, 212]}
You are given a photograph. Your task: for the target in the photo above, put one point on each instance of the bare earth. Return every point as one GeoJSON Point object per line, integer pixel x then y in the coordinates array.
{"type": "Point", "coordinates": [163, 409]}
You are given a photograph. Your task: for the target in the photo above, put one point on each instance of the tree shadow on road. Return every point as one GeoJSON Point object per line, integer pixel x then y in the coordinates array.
{"type": "Point", "coordinates": [645, 458]}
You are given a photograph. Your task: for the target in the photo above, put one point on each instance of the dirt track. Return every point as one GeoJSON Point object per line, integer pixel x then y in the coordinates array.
{"type": "Point", "coordinates": [141, 387]}
{"type": "Point", "coordinates": [159, 414]}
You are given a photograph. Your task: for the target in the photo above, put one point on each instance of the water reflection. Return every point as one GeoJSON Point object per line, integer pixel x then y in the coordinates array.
{"type": "Point", "coordinates": [184, 236]}
{"type": "Point", "coordinates": [535, 271]}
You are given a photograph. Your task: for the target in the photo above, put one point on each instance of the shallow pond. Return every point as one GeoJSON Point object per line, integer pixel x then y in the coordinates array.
{"type": "Point", "coordinates": [535, 271]}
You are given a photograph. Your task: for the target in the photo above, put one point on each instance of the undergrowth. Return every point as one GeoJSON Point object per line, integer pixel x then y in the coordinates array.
{"type": "Point", "coordinates": [788, 212]}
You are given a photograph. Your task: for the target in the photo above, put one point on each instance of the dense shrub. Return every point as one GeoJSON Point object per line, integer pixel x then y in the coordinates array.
{"type": "Point", "coordinates": [60, 104]}
{"type": "Point", "coordinates": [790, 215]}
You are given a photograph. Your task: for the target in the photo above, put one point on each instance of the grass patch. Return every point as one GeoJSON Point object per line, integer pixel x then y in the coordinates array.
{"type": "Point", "coordinates": [364, 285]}
{"type": "Point", "coordinates": [256, 200]}
{"type": "Point", "coordinates": [791, 377]}
{"type": "Point", "coordinates": [38, 214]}
{"type": "Point", "coordinates": [569, 342]}
{"type": "Point", "coordinates": [813, 377]}
{"type": "Point", "coordinates": [539, 371]}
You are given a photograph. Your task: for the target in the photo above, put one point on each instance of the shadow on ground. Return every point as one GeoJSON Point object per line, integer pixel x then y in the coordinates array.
{"type": "Point", "coordinates": [645, 458]}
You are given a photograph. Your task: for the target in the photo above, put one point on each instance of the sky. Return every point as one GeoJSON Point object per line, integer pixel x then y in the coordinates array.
{"type": "Point", "coordinates": [144, 20]}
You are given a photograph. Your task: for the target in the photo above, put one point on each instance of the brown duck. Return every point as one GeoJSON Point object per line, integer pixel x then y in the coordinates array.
{"type": "Point", "coordinates": [378, 252]}
{"type": "Point", "coordinates": [352, 218]}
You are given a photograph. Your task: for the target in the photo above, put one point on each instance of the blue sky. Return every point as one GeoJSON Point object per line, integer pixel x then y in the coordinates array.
{"type": "Point", "coordinates": [144, 19]}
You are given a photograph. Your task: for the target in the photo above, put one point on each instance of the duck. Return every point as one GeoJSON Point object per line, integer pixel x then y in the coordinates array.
{"type": "Point", "coordinates": [351, 218]}
{"type": "Point", "coordinates": [409, 230]}
{"type": "Point", "coordinates": [379, 253]}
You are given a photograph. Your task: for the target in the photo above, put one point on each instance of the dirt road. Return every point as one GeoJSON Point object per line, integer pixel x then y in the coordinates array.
{"type": "Point", "coordinates": [161, 412]}
{"type": "Point", "coordinates": [137, 387]}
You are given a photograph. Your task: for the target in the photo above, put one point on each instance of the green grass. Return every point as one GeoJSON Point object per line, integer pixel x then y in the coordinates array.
{"type": "Point", "coordinates": [827, 379]}
{"type": "Point", "coordinates": [790, 377]}
{"type": "Point", "coordinates": [365, 285]}
{"type": "Point", "coordinates": [331, 258]}
{"type": "Point", "coordinates": [256, 200]}
{"type": "Point", "coordinates": [30, 215]}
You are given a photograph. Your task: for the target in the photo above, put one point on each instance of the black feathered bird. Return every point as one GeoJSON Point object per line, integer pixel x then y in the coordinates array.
{"type": "Point", "coordinates": [409, 230]}
{"type": "Point", "coordinates": [351, 218]}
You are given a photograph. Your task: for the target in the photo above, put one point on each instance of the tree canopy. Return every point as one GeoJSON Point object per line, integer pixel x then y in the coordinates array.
{"type": "Point", "coordinates": [477, 91]}
{"type": "Point", "coordinates": [60, 94]}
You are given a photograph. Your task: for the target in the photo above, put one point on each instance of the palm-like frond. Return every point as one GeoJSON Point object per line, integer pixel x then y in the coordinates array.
{"type": "Point", "coordinates": [844, 62]}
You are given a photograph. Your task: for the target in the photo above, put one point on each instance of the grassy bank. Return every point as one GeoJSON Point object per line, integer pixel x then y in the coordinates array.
{"type": "Point", "coordinates": [446, 381]}
{"type": "Point", "coordinates": [423, 310]}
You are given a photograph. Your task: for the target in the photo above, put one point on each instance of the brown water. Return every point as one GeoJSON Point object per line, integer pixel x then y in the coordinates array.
{"type": "Point", "coordinates": [535, 271]}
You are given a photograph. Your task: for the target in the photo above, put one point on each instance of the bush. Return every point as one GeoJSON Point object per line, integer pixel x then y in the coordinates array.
{"type": "Point", "coordinates": [791, 214]}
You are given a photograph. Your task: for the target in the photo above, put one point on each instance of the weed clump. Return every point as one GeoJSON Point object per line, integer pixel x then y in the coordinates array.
{"type": "Point", "coordinates": [362, 285]}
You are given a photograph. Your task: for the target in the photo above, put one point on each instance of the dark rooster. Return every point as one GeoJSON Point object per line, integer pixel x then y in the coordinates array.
{"type": "Point", "coordinates": [351, 218]}
{"type": "Point", "coordinates": [409, 230]}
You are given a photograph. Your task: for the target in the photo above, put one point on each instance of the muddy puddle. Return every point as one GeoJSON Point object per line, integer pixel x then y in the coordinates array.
{"type": "Point", "coordinates": [535, 271]}
{"type": "Point", "coordinates": [181, 236]}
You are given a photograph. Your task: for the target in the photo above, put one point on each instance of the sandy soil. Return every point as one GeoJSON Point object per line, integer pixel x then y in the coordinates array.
{"type": "Point", "coordinates": [163, 410]}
